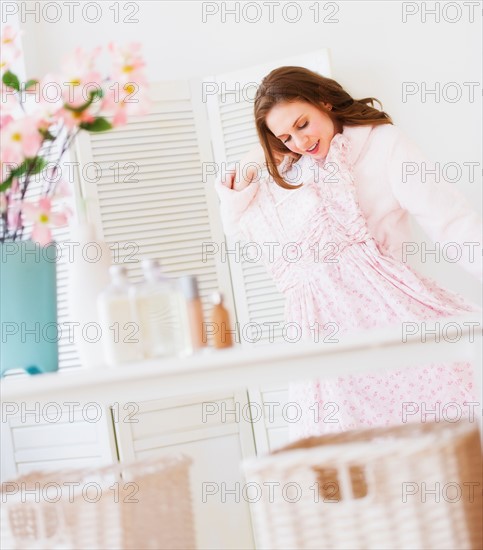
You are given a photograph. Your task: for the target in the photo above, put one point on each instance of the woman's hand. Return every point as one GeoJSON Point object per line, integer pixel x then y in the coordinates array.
{"type": "Point", "coordinates": [248, 169]}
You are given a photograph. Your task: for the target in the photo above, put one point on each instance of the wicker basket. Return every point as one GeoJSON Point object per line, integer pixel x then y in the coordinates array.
{"type": "Point", "coordinates": [408, 486]}
{"type": "Point", "coordinates": [146, 504]}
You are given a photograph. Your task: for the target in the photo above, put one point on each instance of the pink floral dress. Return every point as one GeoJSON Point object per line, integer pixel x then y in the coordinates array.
{"type": "Point", "coordinates": [335, 279]}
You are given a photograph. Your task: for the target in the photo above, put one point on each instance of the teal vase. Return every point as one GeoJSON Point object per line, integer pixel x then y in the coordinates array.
{"type": "Point", "coordinates": [28, 307]}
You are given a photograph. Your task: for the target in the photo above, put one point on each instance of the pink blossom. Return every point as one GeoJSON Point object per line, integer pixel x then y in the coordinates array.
{"type": "Point", "coordinates": [5, 120]}
{"type": "Point", "coordinates": [72, 119]}
{"type": "Point", "coordinates": [9, 51]}
{"type": "Point", "coordinates": [22, 129]}
{"type": "Point", "coordinates": [42, 217]}
{"type": "Point", "coordinates": [59, 91]}
{"type": "Point", "coordinates": [127, 63]}
{"type": "Point", "coordinates": [127, 91]}
{"type": "Point", "coordinates": [10, 35]}
{"type": "Point", "coordinates": [20, 139]}
{"type": "Point", "coordinates": [130, 99]}
{"type": "Point", "coordinates": [79, 77]}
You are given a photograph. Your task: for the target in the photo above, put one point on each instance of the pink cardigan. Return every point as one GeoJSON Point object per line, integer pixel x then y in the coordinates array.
{"type": "Point", "coordinates": [388, 191]}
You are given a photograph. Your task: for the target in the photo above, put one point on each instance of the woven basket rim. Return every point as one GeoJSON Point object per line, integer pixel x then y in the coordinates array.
{"type": "Point", "coordinates": [403, 431]}
{"type": "Point", "coordinates": [362, 451]}
{"type": "Point", "coordinates": [145, 465]}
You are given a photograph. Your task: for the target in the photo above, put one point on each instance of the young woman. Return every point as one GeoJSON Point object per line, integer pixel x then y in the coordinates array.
{"type": "Point", "coordinates": [332, 184]}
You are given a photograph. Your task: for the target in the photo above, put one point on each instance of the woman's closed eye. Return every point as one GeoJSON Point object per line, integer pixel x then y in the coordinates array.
{"type": "Point", "coordinates": [298, 128]}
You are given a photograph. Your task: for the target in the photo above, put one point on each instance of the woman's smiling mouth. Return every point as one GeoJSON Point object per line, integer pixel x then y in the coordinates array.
{"type": "Point", "coordinates": [314, 148]}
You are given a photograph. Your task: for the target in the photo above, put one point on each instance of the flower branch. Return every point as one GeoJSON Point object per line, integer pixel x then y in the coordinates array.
{"type": "Point", "coordinates": [32, 126]}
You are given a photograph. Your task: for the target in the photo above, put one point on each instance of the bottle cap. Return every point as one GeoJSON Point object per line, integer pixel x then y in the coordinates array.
{"type": "Point", "coordinates": [149, 265]}
{"type": "Point", "coordinates": [118, 273]}
{"type": "Point", "coordinates": [216, 298]}
{"type": "Point", "coordinates": [152, 269]}
{"type": "Point", "coordinates": [189, 286]}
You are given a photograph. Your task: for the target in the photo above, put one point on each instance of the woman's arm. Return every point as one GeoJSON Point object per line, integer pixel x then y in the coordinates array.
{"type": "Point", "coordinates": [444, 213]}
{"type": "Point", "coordinates": [233, 201]}
{"type": "Point", "coordinates": [238, 186]}
{"type": "Point", "coordinates": [249, 168]}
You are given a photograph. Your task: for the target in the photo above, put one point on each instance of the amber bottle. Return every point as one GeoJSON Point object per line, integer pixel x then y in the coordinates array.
{"type": "Point", "coordinates": [220, 319]}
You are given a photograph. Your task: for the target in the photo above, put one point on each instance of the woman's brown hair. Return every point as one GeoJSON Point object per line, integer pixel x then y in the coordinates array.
{"type": "Point", "coordinates": [290, 83]}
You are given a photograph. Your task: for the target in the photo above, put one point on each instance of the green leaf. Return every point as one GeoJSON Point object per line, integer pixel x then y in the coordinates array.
{"type": "Point", "coordinates": [29, 166]}
{"type": "Point", "coordinates": [98, 92]}
{"type": "Point", "coordinates": [20, 170]}
{"type": "Point", "coordinates": [30, 83]}
{"type": "Point", "coordinates": [11, 80]}
{"type": "Point", "coordinates": [36, 165]}
{"type": "Point", "coordinates": [6, 184]}
{"type": "Point", "coordinates": [100, 124]}
{"type": "Point", "coordinates": [92, 96]}
{"type": "Point", "coordinates": [78, 109]}
{"type": "Point", "coordinates": [46, 134]}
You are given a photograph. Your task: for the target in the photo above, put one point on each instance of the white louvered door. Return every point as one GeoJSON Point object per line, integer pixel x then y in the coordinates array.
{"type": "Point", "coordinates": [230, 99]}
{"type": "Point", "coordinates": [150, 199]}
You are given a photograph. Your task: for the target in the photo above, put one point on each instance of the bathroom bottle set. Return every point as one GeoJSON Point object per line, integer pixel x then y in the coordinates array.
{"type": "Point", "coordinates": [159, 317]}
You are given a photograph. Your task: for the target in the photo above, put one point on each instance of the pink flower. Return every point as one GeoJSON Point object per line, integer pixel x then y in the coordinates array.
{"type": "Point", "coordinates": [5, 120]}
{"type": "Point", "coordinates": [127, 93]}
{"type": "Point", "coordinates": [127, 63]}
{"type": "Point", "coordinates": [59, 91]}
{"type": "Point", "coordinates": [54, 117]}
{"type": "Point", "coordinates": [72, 119]}
{"type": "Point", "coordinates": [42, 217]}
{"type": "Point", "coordinates": [20, 139]}
{"type": "Point", "coordinates": [130, 99]}
{"type": "Point", "coordinates": [9, 35]}
{"type": "Point", "coordinates": [9, 51]}
{"type": "Point", "coordinates": [78, 77]}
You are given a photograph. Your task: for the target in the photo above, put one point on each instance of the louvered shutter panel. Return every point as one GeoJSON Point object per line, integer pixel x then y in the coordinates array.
{"type": "Point", "coordinates": [234, 134]}
{"type": "Point", "coordinates": [151, 198]}
{"type": "Point", "coordinates": [68, 356]}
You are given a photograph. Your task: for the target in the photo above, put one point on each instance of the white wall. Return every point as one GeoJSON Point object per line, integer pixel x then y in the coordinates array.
{"type": "Point", "coordinates": [373, 52]}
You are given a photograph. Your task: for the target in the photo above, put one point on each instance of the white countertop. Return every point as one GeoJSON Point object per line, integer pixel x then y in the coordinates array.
{"type": "Point", "coordinates": [251, 366]}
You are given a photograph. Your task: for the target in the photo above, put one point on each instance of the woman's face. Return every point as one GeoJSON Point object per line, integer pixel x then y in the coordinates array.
{"type": "Point", "coordinates": [302, 128]}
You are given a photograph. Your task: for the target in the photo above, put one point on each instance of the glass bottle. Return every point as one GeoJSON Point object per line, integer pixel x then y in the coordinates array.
{"type": "Point", "coordinates": [118, 320]}
{"type": "Point", "coordinates": [161, 309]}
